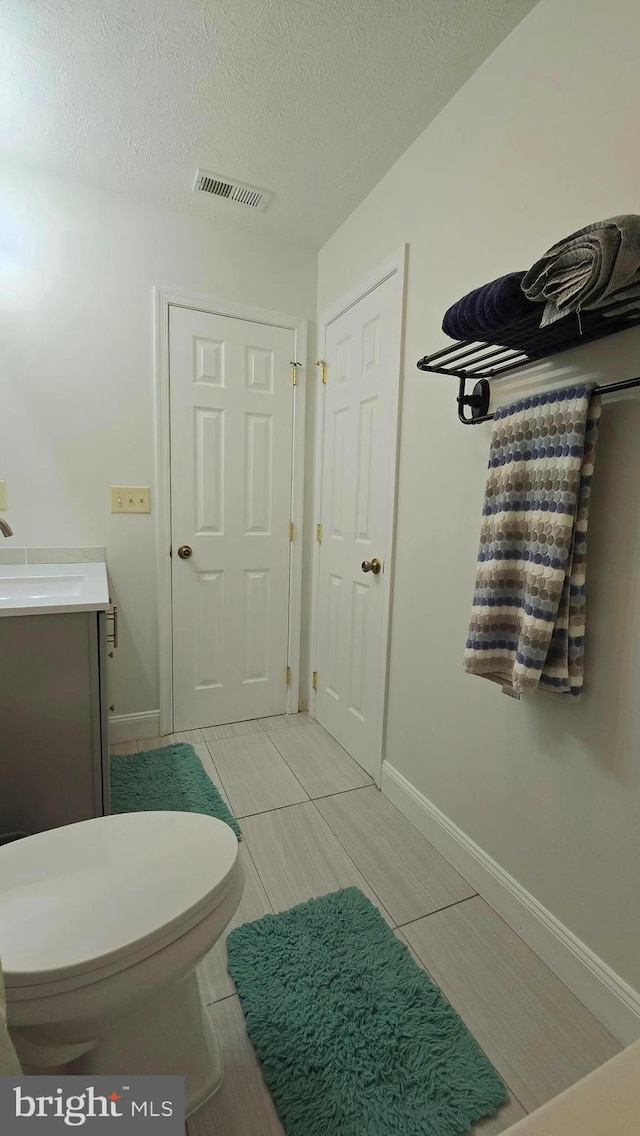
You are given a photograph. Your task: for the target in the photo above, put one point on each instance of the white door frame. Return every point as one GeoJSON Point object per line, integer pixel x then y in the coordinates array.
{"type": "Point", "coordinates": [163, 300]}
{"type": "Point", "coordinates": [396, 264]}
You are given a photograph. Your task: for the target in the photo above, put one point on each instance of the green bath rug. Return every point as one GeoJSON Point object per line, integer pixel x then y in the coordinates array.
{"type": "Point", "coordinates": [169, 779]}
{"type": "Point", "coordinates": [354, 1039]}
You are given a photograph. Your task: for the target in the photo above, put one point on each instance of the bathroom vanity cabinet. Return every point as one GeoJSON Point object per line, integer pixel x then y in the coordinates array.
{"type": "Point", "coordinates": [54, 754]}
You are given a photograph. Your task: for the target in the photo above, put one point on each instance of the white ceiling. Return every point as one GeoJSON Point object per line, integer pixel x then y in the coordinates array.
{"type": "Point", "coordinates": [311, 99]}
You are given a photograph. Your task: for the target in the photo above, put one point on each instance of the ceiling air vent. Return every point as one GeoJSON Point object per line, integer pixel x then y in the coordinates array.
{"type": "Point", "coordinates": [232, 190]}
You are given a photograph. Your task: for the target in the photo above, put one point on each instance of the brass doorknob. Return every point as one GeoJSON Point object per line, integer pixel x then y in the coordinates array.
{"type": "Point", "coordinates": [185, 551]}
{"type": "Point", "coordinates": [372, 566]}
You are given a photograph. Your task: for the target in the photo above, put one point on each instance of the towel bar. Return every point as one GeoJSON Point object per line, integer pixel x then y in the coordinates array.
{"type": "Point", "coordinates": [478, 400]}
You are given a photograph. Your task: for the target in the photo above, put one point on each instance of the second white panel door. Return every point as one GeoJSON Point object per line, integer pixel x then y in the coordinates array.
{"type": "Point", "coordinates": [232, 415]}
{"type": "Point", "coordinates": [362, 351]}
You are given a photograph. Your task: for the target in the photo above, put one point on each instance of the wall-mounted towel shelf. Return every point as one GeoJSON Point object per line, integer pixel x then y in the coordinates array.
{"type": "Point", "coordinates": [467, 360]}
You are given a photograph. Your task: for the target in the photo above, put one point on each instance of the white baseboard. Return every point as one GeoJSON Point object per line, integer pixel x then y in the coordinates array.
{"type": "Point", "coordinates": [599, 988]}
{"type": "Point", "coordinates": [130, 727]}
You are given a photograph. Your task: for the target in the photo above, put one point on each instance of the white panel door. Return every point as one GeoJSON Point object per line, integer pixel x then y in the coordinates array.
{"type": "Point", "coordinates": [362, 352]}
{"type": "Point", "coordinates": [231, 403]}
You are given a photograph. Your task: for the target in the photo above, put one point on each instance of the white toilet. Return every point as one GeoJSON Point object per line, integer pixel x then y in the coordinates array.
{"type": "Point", "coordinates": [102, 925]}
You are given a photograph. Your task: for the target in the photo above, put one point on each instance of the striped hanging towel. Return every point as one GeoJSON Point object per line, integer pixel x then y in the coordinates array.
{"type": "Point", "coordinates": [527, 623]}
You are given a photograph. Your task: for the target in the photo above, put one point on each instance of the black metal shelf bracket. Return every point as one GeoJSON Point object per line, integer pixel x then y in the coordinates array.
{"type": "Point", "coordinates": [467, 360]}
{"type": "Point", "coordinates": [478, 400]}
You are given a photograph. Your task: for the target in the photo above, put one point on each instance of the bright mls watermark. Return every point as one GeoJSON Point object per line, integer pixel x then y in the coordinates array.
{"type": "Point", "coordinates": [119, 1104]}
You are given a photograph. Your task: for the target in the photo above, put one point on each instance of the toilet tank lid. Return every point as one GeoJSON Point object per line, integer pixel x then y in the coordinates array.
{"type": "Point", "coordinates": [79, 897]}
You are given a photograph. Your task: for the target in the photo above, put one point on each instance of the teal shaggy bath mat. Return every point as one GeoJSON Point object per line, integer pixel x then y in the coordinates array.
{"type": "Point", "coordinates": [170, 779]}
{"type": "Point", "coordinates": [354, 1039]}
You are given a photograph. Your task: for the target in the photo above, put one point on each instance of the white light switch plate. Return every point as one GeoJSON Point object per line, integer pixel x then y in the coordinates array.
{"type": "Point", "coordinates": [3, 496]}
{"type": "Point", "coordinates": [130, 499]}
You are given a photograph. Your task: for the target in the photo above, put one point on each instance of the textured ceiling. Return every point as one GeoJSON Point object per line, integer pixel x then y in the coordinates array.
{"type": "Point", "coordinates": [312, 99]}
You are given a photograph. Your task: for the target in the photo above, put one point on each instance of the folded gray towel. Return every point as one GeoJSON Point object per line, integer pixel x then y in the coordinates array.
{"type": "Point", "coordinates": [596, 267]}
{"type": "Point", "coordinates": [623, 302]}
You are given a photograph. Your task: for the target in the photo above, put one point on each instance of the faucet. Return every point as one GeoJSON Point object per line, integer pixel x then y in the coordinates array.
{"type": "Point", "coordinates": [5, 529]}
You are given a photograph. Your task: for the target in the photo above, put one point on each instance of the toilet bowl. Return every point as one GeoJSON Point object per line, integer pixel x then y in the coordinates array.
{"type": "Point", "coordinates": [102, 925]}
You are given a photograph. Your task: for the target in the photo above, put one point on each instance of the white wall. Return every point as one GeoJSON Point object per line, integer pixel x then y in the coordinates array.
{"type": "Point", "coordinates": [77, 268]}
{"type": "Point", "coordinates": [541, 140]}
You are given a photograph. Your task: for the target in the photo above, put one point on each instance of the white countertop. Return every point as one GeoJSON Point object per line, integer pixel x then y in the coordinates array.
{"type": "Point", "coordinates": [37, 589]}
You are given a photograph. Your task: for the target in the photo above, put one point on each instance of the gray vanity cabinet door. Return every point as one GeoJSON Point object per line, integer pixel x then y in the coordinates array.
{"type": "Point", "coordinates": [51, 721]}
{"type": "Point", "coordinates": [101, 713]}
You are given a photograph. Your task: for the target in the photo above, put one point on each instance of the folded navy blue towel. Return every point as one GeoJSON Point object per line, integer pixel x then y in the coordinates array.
{"type": "Point", "coordinates": [488, 309]}
{"type": "Point", "coordinates": [500, 313]}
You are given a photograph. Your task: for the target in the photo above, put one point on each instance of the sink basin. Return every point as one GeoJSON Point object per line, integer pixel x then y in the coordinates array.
{"type": "Point", "coordinates": [54, 588]}
{"type": "Point", "coordinates": [35, 589]}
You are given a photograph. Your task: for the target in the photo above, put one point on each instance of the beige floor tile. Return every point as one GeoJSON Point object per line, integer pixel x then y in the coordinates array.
{"type": "Point", "coordinates": [154, 743]}
{"type": "Point", "coordinates": [242, 1106]}
{"type": "Point", "coordinates": [298, 857]}
{"type": "Point", "coordinates": [125, 748]}
{"type": "Point", "coordinates": [230, 730]}
{"type": "Point", "coordinates": [319, 763]}
{"type": "Point", "coordinates": [284, 722]}
{"type": "Point", "coordinates": [505, 1116]}
{"type": "Point", "coordinates": [255, 776]}
{"type": "Point", "coordinates": [399, 935]}
{"type": "Point", "coordinates": [501, 1121]}
{"type": "Point", "coordinates": [409, 875]}
{"type": "Point", "coordinates": [204, 753]}
{"type": "Point", "coordinates": [540, 1038]}
{"type": "Point", "coordinates": [192, 737]}
{"type": "Point", "coordinates": [214, 980]}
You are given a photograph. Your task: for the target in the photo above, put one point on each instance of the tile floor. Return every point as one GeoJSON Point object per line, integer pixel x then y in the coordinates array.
{"type": "Point", "coordinates": [312, 822]}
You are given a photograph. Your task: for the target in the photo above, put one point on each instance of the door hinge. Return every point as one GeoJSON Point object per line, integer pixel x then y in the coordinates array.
{"type": "Point", "coordinates": [170, 551]}
{"type": "Point", "coordinates": [294, 373]}
{"type": "Point", "coordinates": [319, 534]}
{"type": "Point", "coordinates": [292, 529]}
{"type": "Point", "coordinates": [288, 676]}
{"type": "Point", "coordinates": [323, 370]}
{"type": "Point", "coordinates": [315, 680]}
